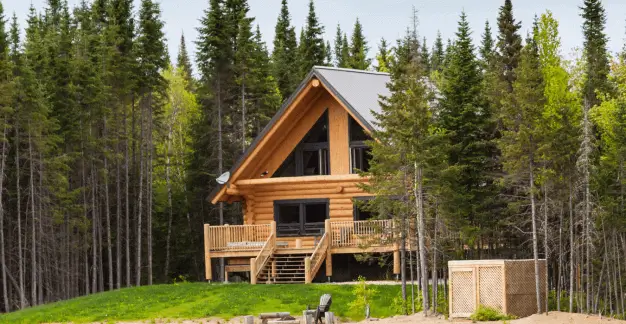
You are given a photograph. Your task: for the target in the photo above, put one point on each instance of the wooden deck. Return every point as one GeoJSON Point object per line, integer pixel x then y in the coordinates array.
{"type": "Point", "coordinates": [260, 244]}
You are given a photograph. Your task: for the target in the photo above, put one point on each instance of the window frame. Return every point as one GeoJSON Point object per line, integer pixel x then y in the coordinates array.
{"type": "Point", "coordinates": [299, 150]}
{"type": "Point", "coordinates": [355, 145]}
{"type": "Point", "coordinates": [302, 214]}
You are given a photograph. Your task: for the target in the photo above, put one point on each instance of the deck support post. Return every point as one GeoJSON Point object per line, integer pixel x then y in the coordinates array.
{"type": "Point", "coordinates": [329, 265]}
{"type": "Point", "coordinates": [208, 272]}
{"type": "Point", "coordinates": [273, 227]}
{"type": "Point", "coordinates": [252, 271]}
{"type": "Point", "coordinates": [396, 259]}
{"type": "Point", "coordinates": [307, 270]}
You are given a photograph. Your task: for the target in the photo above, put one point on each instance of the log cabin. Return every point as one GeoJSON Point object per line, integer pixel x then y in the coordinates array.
{"type": "Point", "coordinates": [298, 184]}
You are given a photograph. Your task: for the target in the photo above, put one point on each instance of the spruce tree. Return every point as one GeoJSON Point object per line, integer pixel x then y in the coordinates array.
{"type": "Point", "coordinates": [409, 150]}
{"type": "Point", "coordinates": [328, 54]}
{"type": "Point", "coordinates": [521, 141]}
{"type": "Point", "coordinates": [184, 63]}
{"type": "Point", "coordinates": [358, 49]}
{"type": "Point", "coordinates": [345, 51]}
{"type": "Point", "coordinates": [438, 54]}
{"type": "Point", "coordinates": [425, 56]}
{"type": "Point", "coordinates": [153, 59]}
{"type": "Point", "coordinates": [311, 49]}
{"type": "Point", "coordinates": [595, 50]}
{"type": "Point", "coordinates": [383, 57]}
{"type": "Point", "coordinates": [465, 118]}
{"type": "Point", "coordinates": [6, 97]}
{"type": "Point", "coordinates": [338, 46]}
{"type": "Point", "coordinates": [284, 56]}
{"type": "Point", "coordinates": [509, 45]}
{"type": "Point", "coordinates": [486, 45]}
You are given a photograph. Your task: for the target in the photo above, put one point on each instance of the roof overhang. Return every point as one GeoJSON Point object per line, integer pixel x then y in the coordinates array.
{"type": "Point", "coordinates": [308, 88]}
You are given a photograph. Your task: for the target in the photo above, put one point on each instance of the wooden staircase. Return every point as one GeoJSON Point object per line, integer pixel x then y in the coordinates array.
{"type": "Point", "coordinates": [284, 269]}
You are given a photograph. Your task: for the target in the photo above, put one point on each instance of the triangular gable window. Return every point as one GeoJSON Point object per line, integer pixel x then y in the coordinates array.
{"type": "Point", "coordinates": [310, 157]}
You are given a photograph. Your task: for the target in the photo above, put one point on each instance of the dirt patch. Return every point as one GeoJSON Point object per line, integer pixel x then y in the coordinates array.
{"type": "Point", "coordinates": [551, 318]}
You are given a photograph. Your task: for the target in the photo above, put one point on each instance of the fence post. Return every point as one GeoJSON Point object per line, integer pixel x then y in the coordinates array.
{"type": "Point", "coordinates": [307, 270]}
{"type": "Point", "coordinates": [252, 271]}
{"type": "Point", "coordinates": [208, 274]}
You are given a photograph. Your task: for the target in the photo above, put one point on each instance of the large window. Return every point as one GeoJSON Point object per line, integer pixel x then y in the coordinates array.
{"type": "Point", "coordinates": [360, 153]}
{"type": "Point", "coordinates": [300, 217]}
{"type": "Point", "coordinates": [310, 157]}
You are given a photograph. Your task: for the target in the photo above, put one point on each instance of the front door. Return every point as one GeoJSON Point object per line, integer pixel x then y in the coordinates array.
{"type": "Point", "coordinates": [300, 217]}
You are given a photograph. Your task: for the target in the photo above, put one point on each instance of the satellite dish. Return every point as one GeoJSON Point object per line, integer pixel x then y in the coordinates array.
{"type": "Point", "coordinates": [223, 178]}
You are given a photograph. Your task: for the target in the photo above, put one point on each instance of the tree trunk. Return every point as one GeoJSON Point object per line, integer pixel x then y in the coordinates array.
{"type": "Point", "coordinates": [572, 223]}
{"type": "Point", "coordinates": [560, 270]}
{"type": "Point", "coordinates": [531, 189]}
{"type": "Point", "coordinates": [140, 200]}
{"type": "Point", "coordinates": [421, 232]}
{"type": "Point", "coordinates": [220, 160]}
{"type": "Point", "coordinates": [3, 267]}
{"type": "Point", "coordinates": [434, 249]}
{"type": "Point", "coordinates": [126, 200]}
{"type": "Point", "coordinates": [545, 239]}
{"type": "Point", "coordinates": [107, 209]}
{"type": "Point", "coordinates": [33, 252]}
{"type": "Point", "coordinates": [149, 188]}
{"type": "Point", "coordinates": [18, 189]}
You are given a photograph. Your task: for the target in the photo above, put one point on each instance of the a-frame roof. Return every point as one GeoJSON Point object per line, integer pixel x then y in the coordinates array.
{"type": "Point", "coordinates": [358, 91]}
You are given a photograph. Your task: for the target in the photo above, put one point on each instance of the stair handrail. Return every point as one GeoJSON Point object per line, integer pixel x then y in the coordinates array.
{"type": "Point", "coordinates": [314, 262]}
{"type": "Point", "coordinates": [264, 255]}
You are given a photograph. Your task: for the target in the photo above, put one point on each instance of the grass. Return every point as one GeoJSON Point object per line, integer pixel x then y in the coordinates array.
{"type": "Point", "coordinates": [201, 300]}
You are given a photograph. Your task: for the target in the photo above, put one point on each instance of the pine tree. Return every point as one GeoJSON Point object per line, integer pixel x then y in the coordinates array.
{"type": "Point", "coordinates": [311, 49]}
{"type": "Point", "coordinates": [284, 56]}
{"type": "Point", "coordinates": [595, 43]}
{"type": "Point", "coordinates": [438, 54]}
{"type": "Point", "coordinates": [183, 62]}
{"type": "Point", "coordinates": [358, 49]}
{"type": "Point", "coordinates": [383, 57]}
{"type": "Point", "coordinates": [509, 45]}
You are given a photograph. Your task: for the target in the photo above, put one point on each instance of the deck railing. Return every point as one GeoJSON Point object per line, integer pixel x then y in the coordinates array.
{"type": "Point", "coordinates": [314, 262]}
{"type": "Point", "coordinates": [257, 264]}
{"type": "Point", "coordinates": [360, 234]}
{"type": "Point", "coordinates": [238, 237]}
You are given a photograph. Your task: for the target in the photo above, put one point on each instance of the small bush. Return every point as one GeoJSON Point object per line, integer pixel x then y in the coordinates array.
{"type": "Point", "coordinates": [485, 314]}
{"type": "Point", "coordinates": [363, 294]}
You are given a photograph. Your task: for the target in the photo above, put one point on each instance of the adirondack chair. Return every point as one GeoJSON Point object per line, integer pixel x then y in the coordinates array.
{"type": "Point", "coordinates": [320, 311]}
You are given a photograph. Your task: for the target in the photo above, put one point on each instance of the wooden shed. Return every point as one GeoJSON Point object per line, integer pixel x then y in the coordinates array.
{"type": "Point", "coordinates": [506, 285]}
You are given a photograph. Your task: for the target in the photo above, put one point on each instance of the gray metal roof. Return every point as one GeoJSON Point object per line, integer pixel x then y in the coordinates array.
{"type": "Point", "coordinates": [359, 90]}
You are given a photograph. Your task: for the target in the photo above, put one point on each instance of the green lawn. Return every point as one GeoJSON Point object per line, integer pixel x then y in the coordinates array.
{"type": "Point", "coordinates": [198, 300]}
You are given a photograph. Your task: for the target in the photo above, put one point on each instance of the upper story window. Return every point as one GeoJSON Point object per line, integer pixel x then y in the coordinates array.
{"type": "Point", "coordinates": [310, 157]}
{"type": "Point", "coordinates": [360, 152]}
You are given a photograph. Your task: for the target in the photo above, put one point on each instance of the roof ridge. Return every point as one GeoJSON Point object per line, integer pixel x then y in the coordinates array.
{"type": "Point", "coordinates": [348, 70]}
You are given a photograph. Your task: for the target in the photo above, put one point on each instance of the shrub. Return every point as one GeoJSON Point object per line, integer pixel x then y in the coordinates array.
{"type": "Point", "coordinates": [484, 313]}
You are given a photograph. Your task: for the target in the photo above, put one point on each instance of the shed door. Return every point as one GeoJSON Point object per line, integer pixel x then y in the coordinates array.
{"type": "Point", "coordinates": [463, 294]}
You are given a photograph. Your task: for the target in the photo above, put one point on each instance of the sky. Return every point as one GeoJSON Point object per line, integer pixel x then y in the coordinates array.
{"type": "Point", "coordinates": [380, 18]}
